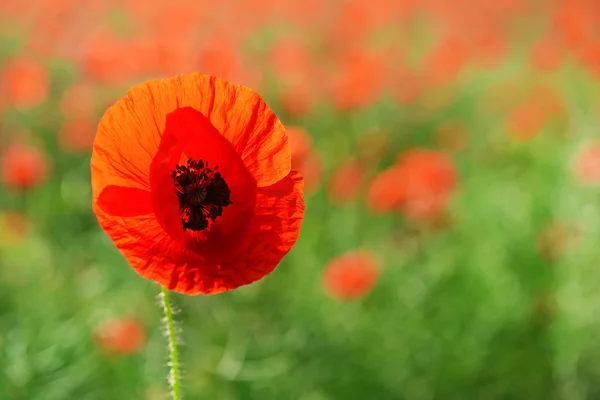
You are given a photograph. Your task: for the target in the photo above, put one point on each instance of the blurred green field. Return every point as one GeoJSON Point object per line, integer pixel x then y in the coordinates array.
{"type": "Point", "coordinates": [498, 302]}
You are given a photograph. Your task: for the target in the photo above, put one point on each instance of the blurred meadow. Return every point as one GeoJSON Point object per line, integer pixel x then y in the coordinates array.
{"type": "Point", "coordinates": [451, 152]}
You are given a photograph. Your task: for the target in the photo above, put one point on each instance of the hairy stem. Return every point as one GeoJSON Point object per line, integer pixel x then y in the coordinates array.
{"type": "Point", "coordinates": [174, 374]}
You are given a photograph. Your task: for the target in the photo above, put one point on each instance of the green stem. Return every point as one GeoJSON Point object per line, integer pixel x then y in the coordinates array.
{"type": "Point", "coordinates": [174, 375]}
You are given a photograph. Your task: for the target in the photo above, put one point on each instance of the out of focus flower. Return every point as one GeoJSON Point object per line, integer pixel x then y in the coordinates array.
{"type": "Point", "coordinates": [121, 336]}
{"type": "Point", "coordinates": [589, 57]}
{"type": "Point", "coordinates": [351, 276]}
{"type": "Point", "coordinates": [24, 82]}
{"type": "Point", "coordinates": [290, 60]}
{"type": "Point", "coordinates": [547, 54]}
{"type": "Point", "coordinates": [542, 104]}
{"type": "Point", "coordinates": [346, 181]}
{"type": "Point", "coordinates": [385, 192]}
{"type": "Point", "coordinates": [104, 59]}
{"type": "Point", "coordinates": [490, 48]}
{"type": "Point", "coordinates": [77, 135]}
{"type": "Point", "coordinates": [14, 228]}
{"type": "Point", "coordinates": [525, 121]}
{"type": "Point", "coordinates": [574, 22]}
{"type": "Point", "coordinates": [419, 185]}
{"type": "Point", "coordinates": [586, 164]}
{"type": "Point", "coordinates": [23, 167]}
{"type": "Point", "coordinates": [445, 61]}
{"type": "Point", "coordinates": [220, 58]}
{"type": "Point", "coordinates": [358, 80]}
{"type": "Point", "coordinates": [353, 22]}
{"type": "Point", "coordinates": [428, 181]}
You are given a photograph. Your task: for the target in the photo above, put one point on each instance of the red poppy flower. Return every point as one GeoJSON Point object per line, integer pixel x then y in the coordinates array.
{"type": "Point", "coordinates": [359, 79]}
{"type": "Point", "coordinates": [547, 54]}
{"type": "Point", "coordinates": [351, 276]}
{"type": "Point", "coordinates": [23, 167]}
{"type": "Point", "coordinates": [385, 192]}
{"type": "Point", "coordinates": [526, 120]}
{"type": "Point", "coordinates": [586, 164]}
{"type": "Point", "coordinates": [419, 185]}
{"type": "Point", "coordinates": [428, 181]}
{"type": "Point", "coordinates": [445, 61]}
{"type": "Point", "coordinates": [24, 82]}
{"type": "Point", "coordinates": [192, 180]}
{"type": "Point", "coordinates": [122, 336]}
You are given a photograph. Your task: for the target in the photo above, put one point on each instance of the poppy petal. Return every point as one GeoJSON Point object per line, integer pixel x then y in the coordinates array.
{"type": "Point", "coordinates": [278, 218]}
{"type": "Point", "coordinates": [156, 256]}
{"type": "Point", "coordinates": [236, 111]}
{"type": "Point", "coordinates": [122, 201]}
{"type": "Point", "coordinates": [244, 118]}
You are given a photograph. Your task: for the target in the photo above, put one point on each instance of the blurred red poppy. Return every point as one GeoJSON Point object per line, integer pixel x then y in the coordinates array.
{"type": "Point", "coordinates": [105, 58]}
{"type": "Point", "coordinates": [525, 121]}
{"type": "Point", "coordinates": [25, 83]}
{"type": "Point", "coordinates": [359, 78]}
{"type": "Point", "coordinates": [351, 276]}
{"type": "Point", "coordinates": [428, 180]}
{"type": "Point", "coordinates": [445, 61]}
{"type": "Point", "coordinates": [192, 180]}
{"type": "Point", "coordinates": [547, 54]}
{"type": "Point", "coordinates": [586, 164]}
{"type": "Point", "coordinates": [23, 167]}
{"type": "Point", "coordinates": [419, 185]}
{"type": "Point", "coordinates": [385, 191]}
{"type": "Point", "coordinates": [121, 336]}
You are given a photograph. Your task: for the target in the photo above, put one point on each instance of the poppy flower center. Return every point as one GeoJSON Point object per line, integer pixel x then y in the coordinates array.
{"type": "Point", "coordinates": [202, 193]}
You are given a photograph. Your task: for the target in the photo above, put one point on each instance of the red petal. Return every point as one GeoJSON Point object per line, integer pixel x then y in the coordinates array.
{"type": "Point", "coordinates": [278, 218]}
{"type": "Point", "coordinates": [121, 201]}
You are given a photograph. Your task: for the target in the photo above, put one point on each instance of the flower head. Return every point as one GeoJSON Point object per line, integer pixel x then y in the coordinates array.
{"type": "Point", "coordinates": [24, 82]}
{"type": "Point", "coordinates": [23, 167]}
{"type": "Point", "coordinates": [192, 180]}
{"type": "Point", "coordinates": [351, 275]}
{"type": "Point", "coordinates": [122, 336]}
